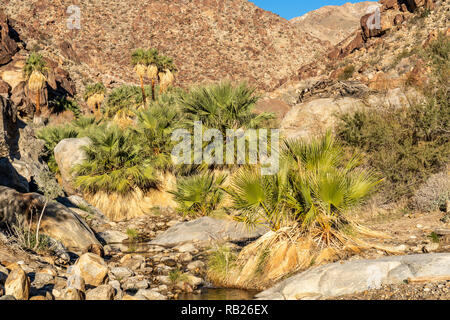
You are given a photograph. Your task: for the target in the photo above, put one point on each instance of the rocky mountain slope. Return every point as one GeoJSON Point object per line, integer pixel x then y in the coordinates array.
{"type": "Point", "coordinates": [333, 23]}
{"type": "Point", "coordinates": [209, 39]}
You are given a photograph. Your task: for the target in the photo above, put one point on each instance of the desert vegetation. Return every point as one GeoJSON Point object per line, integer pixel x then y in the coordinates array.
{"type": "Point", "coordinates": [308, 205]}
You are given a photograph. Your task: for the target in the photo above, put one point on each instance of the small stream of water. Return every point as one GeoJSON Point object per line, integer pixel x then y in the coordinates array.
{"type": "Point", "coordinates": [220, 294]}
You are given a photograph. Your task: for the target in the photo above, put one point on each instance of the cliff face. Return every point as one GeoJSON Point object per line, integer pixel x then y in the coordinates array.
{"type": "Point", "coordinates": [333, 23]}
{"type": "Point", "coordinates": [209, 39]}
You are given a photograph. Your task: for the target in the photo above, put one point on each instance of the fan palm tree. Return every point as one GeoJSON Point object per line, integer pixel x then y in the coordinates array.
{"type": "Point", "coordinates": [94, 96]}
{"type": "Point", "coordinates": [166, 70]}
{"type": "Point", "coordinates": [34, 71]}
{"type": "Point", "coordinates": [152, 69]}
{"type": "Point", "coordinates": [139, 59]}
{"type": "Point", "coordinates": [199, 195]}
{"type": "Point", "coordinates": [223, 107]}
{"type": "Point", "coordinates": [113, 164]}
{"type": "Point", "coordinates": [315, 187]}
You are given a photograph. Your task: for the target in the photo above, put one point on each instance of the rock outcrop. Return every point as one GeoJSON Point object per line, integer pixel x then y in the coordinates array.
{"type": "Point", "coordinates": [58, 222]}
{"type": "Point", "coordinates": [209, 230]}
{"type": "Point", "coordinates": [352, 277]}
{"type": "Point", "coordinates": [8, 47]}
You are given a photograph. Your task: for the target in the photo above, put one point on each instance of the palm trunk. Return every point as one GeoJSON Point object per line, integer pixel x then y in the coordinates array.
{"type": "Point", "coordinates": [153, 89]}
{"type": "Point", "coordinates": [144, 98]}
{"type": "Point", "coordinates": [38, 103]}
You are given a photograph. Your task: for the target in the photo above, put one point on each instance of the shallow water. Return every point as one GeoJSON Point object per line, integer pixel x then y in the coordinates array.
{"type": "Point", "coordinates": [220, 294]}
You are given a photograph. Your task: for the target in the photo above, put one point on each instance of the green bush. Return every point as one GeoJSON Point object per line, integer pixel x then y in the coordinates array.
{"type": "Point", "coordinates": [404, 146]}
{"type": "Point", "coordinates": [347, 73]}
{"type": "Point", "coordinates": [64, 104]}
{"type": "Point", "coordinates": [124, 100]}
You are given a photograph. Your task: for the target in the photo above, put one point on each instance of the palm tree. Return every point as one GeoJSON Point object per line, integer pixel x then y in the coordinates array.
{"type": "Point", "coordinates": [314, 188]}
{"type": "Point", "coordinates": [166, 70]}
{"type": "Point", "coordinates": [223, 107]}
{"type": "Point", "coordinates": [139, 59]}
{"type": "Point", "coordinates": [34, 71]}
{"type": "Point", "coordinates": [152, 69]}
{"type": "Point", "coordinates": [199, 195]}
{"type": "Point", "coordinates": [113, 164]}
{"type": "Point", "coordinates": [94, 96]}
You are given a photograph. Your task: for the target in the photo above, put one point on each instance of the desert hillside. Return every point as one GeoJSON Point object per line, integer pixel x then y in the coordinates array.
{"type": "Point", "coordinates": [333, 23]}
{"type": "Point", "coordinates": [208, 39]}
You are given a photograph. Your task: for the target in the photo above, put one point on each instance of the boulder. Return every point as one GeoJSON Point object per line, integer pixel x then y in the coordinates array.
{"type": "Point", "coordinates": [68, 154]}
{"type": "Point", "coordinates": [9, 131]}
{"type": "Point", "coordinates": [151, 294]}
{"type": "Point", "coordinates": [357, 276]}
{"type": "Point", "coordinates": [10, 178]}
{"type": "Point", "coordinates": [103, 292]}
{"type": "Point", "coordinates": [5, 89]}
{"type": "Point", "coordinates": [18, 284]}
{"type": "Point", "coordinates": [58, 222]}
{"type": "Point", "coordinates": [313, 118]}
{"type": "Point", "coordinates": [93, 269]}
{"type": "Point", "coordinates": [113, 236]}
{"type": "Point", "coordinates": [206, 230]}
{"type": "Point", "coordinates": [8, 47]}
{"type": "Point", "coordinates": [122, 272]}
{"type": "Point", "coordinates": [71, 294]}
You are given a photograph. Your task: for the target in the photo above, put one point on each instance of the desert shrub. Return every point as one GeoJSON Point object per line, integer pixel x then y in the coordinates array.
{"type": "Point", "coordinates": [347, 73]}
{"type": "Point", "coordinates": [433, 194]}
{"type": "Point", "coordinates": [199, 195]}
{"type": "Point", "coordinates": [438, 52]}
{"type": "Point", "coordinates": [404, 146]}
{"type": "Point", "coordinates": [220, 262]}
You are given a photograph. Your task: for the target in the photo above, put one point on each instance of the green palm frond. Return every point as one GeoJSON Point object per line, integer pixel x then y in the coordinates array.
{"type": "Point", "coordinates": [35, 62]}
{"type": "Point", "coordinates": [315, 185]}
{"type": "Point", "coordinates": [199, 195]}
{"type": "Point", "coordinates": [222, 106]}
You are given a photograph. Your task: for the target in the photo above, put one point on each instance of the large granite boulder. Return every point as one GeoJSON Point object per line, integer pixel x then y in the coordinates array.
{"type": "Point", "coordinates": [58, 222]}
{"type": "Point", "coordinates": [206, 230]}
{"type": "Point", "coordinates": [68, 154]}
{"type": "Point", "coordinates": [357, 276]}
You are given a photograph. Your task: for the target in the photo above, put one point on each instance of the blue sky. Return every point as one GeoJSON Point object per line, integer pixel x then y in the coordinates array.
{"type": "Point", "coordinates": [289, 9]}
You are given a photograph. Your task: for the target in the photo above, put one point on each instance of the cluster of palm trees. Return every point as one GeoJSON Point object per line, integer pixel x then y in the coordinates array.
{"type": "Point", "coordinates": [94, 95]}
{"type": "Point", "coordinates": [156, 67]}
{"type": "Point", "coordinates": [147, 63]}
